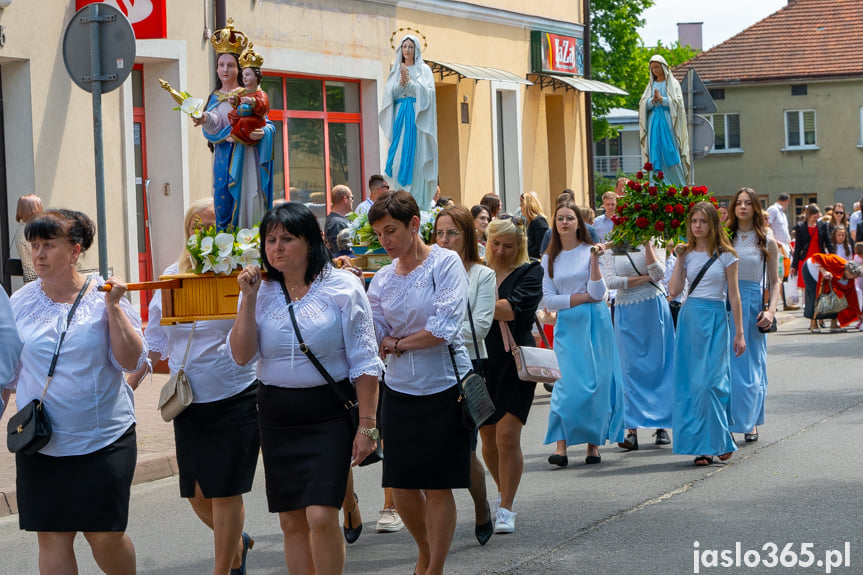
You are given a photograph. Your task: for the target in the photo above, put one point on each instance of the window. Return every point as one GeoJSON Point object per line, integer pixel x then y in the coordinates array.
{"type": "Point", "coordinates": [800, 129]}
{"type": "Point", "coordinates": [717, 93]}
{"type": "Point", "coordinates": [726, 131]}
{"type": "Point", "coordinates": [318, 141]}
{"type": "Point", "coordinates": [798, 90]}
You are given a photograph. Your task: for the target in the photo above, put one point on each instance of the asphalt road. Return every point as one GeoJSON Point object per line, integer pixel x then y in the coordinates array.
{"type": "Point", "coordinates": [643, 512]}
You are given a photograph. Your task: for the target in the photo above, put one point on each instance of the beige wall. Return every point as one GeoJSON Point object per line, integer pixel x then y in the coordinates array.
{"type": "Point", "coordinates": [832, 169]}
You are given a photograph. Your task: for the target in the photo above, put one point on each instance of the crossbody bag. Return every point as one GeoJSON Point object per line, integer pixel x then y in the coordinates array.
{"type": "Point", "coordinates": [476, 403]}
{"type": "Point", "coordinates": [176, 395]}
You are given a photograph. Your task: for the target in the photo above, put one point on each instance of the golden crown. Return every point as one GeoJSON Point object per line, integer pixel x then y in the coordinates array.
{"type": "Point", "coordinates": [228, 40]}
{"type": "Point", "coordinates": [251, 59]}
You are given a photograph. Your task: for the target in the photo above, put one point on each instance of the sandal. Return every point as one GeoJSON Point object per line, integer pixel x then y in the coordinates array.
{"type": "Point", "coordinates": [726, 456]}
{"type": "Point", "coordinates": [703, 460]}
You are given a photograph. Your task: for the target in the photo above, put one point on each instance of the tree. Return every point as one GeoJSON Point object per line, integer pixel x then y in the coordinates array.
{"type": "Point", "coordinates": [619, 57]}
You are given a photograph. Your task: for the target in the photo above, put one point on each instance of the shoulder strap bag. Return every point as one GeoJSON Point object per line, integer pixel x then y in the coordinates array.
{"type": "Point", "coordinates": [476, 403]}
{"type": "Point", "coordinates": [350, 404]}
{"type": "Point", "coordinates": [29, 430]}
{"type": "Point", "coordinates": [176, 395]}
{"type": "Point", "coordinates": [765, 301]}
{"type": "Point", "coordinates": [534, 364]}
{"type": "Point", "coordinates": [701, 272]}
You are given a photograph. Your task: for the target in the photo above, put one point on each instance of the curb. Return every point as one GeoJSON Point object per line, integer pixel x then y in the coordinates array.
{"type": "Point", "coordinates": [148, 468]}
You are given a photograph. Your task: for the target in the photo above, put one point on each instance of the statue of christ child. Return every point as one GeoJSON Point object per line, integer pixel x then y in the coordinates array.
{"type": "Point", "coordinates": [251, 108]}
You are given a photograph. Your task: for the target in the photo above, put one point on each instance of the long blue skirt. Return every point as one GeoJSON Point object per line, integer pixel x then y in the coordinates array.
{"type": "Point", "coordinates": [587, 402]}
{"type": "Point", "coordinates": [645, 339]}
{"type": "Point", "coordinates": [702, 380]}
{"type": "Point", "coordinates": [749, 371]}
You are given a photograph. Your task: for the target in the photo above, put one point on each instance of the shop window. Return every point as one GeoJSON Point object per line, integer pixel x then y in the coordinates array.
{"type": "Point", "coordinates": [800, 129]}
{"type": "Point", "coordinates": [318, 138]}
{"type": "Point", "coordinates": [726, 131]}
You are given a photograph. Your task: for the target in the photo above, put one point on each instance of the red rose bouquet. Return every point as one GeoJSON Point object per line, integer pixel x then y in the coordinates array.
{"type": "Point", "coordinates": [653, 209]}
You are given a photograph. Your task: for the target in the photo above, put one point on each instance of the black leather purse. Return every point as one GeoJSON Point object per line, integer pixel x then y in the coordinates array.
{"type": "Point", "coordinates": [766, 301]}
{"type": "Point", "coordinates": [29, 430]}
{"type": "Point", "coordinates": [345, 392]}
{"type": "Point", "coordinates": [476, 403]}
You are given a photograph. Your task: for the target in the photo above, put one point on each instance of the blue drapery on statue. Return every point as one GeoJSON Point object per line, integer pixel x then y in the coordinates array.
{"type": "Point", "coordinates": [404, 126]}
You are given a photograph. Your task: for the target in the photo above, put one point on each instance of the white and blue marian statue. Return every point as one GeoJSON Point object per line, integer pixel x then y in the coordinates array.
{"type": "Point", "coordinates": [409, 121]}
{"type": "Point", "coordinates": [662, 124]}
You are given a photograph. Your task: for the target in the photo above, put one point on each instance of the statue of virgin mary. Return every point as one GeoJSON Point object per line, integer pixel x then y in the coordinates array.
{"type": "Point", "coordinates": [409, 121]}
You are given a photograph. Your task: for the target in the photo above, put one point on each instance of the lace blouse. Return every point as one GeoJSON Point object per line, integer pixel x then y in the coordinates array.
{"type": "Point", "coordinates": [336, 323]}
{"type": "Point", "coordinates": [212, 372]}
{"type": "Point", "coordinates": [617, 269]}
{"type": "Point", "coordinates": [750, 257]}
{"type": "Point", "coordinates": [571, 275]}
{"type": "Point", "coordinates": [88, 401]}
{"type": "Point", "coordinates": [431, 298]}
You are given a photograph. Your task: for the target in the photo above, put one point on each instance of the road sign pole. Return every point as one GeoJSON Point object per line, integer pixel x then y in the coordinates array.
{"type": "Point", "coordinates": [96, 73]}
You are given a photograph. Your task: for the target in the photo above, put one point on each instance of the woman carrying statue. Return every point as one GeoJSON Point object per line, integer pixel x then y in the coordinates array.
{"type": "Point", "coordinates": [242, 174]}
{"type": "Point", "coordinates": [409, 121]}
{"type": "Point", "coordinates": [662, 124]}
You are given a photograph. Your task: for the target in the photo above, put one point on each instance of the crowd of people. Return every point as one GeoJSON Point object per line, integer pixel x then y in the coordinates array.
{"type": "Point", "coordinates": [319, 370]}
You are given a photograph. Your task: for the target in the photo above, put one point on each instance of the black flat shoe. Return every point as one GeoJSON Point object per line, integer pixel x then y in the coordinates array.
{"type": "Point", "coordinates": [662, 437]}
{"type": "Point", "coordinates": [750, 437]}
{"type": "Point", "coordinates": [630, 443]}
{"type": "Point", "coordinates": [559, 460]}
{"type": "Point", "coordinates": [352, 533]}
{"type": "Point", "coordinates": [484, 531]}
{"type": "Point", "coordinates": [592, 459]}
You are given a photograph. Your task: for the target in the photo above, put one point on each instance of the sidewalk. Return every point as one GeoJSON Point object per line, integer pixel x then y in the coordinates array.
{"type": "Point", "coordinates": [156, 456]}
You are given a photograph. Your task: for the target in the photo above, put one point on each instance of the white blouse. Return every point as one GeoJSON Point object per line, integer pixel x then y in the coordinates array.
{"type": "Point", "coordinates": [571, 276]}
{"type": "Point", "coordinates": [713, 285]}
{"type": "Point", "coordinates": [89, 403]}
{"type": "Point", "coordinates": [211, 370]}
{"type": "Point", "coordinates": [429, 298]}
{"type": "Point", "coordinates": [335, 321]}
{"type": "Point", "coordinates": [481, 285]}
{"type": "Point", "coordinates": [750, 257]}
{"type": "Point", "coordinates": [617, 269]}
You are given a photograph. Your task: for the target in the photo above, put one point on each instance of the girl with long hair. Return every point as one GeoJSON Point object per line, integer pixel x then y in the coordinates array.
{"type": "Point", "coordinates": [587, 401]}
{"type": "Point", "coordinates": [758, 255]}
{"type": "Point", "coordinates": [702, 374]}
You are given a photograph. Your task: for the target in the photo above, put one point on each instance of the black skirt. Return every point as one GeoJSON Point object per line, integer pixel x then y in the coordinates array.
{"type": "Point", "coordinates": [306, 441]}
{"type": "Point", "coordinates": [425, 443]}
{"type": "Point", "coordinates": [507, 391]}
{"type": "Point", "coordinates": [78, 492]}
{"type": "Point", "coordinates": [218, 444]}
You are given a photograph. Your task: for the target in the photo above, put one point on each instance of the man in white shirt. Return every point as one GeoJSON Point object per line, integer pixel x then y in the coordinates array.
{"type": "Point", "coordinates": [778, 222]}
{"type": "Point", "coordinates": [855, 220]}
{"type": "Point", "coordinates": [377, 186]}
{"type": "Point", "coordinates": [603, 223]}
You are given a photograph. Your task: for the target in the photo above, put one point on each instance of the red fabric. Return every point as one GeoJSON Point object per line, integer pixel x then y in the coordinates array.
{"type": "Point", "coordinates": [814, 246]}
{"type": "Point", "coordinates": [242, 126]}
{"type": "Point", "coordinates": [843, 286]}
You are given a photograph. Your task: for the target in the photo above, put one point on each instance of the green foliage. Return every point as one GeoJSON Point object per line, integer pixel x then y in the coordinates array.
{"type": "Point", "coordinates": [620, 58]}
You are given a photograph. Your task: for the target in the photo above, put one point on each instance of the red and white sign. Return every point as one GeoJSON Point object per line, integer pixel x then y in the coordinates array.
{"type": "Point", "coordinates": [148, 17]}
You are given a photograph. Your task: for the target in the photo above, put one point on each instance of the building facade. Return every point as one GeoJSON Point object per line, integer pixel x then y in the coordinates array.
{"type": "Point", "coordinates": [501, 128]}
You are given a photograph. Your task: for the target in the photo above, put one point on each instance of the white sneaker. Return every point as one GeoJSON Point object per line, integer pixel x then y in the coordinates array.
{"type": "Point", "coordinates": [505, 521]}
{"type": "Point", "coordinates": [495, 506]}
{"type": "Point", "coordinates": [389, 522]}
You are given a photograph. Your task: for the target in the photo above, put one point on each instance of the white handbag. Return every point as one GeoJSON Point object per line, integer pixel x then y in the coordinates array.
{"type": "Point", "coordinates": [176, 395]}
{"type": "Point", "coordinates": [532, 363]}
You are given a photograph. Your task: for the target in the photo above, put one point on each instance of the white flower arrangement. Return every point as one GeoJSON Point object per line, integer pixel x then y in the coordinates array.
{"type": "Point", "coordinates": [223, 252]}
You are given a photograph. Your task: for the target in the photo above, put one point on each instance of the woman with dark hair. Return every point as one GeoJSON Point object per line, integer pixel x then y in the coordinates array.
{"type": "Point", "coordinates": [80, 480]}
{"type": "Point", "coordinates": [242, 183]}
{"type": "Point", "coordinates": [216, 437]}
{"type": "Point", "coordinates": [418, 304]}
{"type": "Point", "coordinates": [839, 218]}
{"type": "Point", "coordinates": [811, 236]}
{"type": "Point", "coordinates": [587, 401]}
{"type": "Point", "coordinates": [308, 441]}
{"type": "Point", "coordinates": [492, 202]}
{"type": "Point", "coordinates": [757, 268]}
{"type": "Point", "coordinates": [453, 229]}
{"type": "Point", "coordinates": [519, 291]}
{"type": "Point", "coordinates": [481, 217]}
{"type": "Point", "coordinates": [841, 242]}
{"type": "Point", "coordinates": [702, 381]}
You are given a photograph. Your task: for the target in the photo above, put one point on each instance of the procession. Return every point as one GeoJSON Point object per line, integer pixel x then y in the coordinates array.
{"type": "Point", "coordinates": [352, 349]}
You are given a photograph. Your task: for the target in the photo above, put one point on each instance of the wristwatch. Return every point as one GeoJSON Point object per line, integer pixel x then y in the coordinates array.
{"type": "Point", "coordinates": [370, 432]}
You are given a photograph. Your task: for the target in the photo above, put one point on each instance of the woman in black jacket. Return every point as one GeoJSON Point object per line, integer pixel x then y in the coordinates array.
{"type": "Point", "coordinates": [804, 232]}
{"type": "Point", "coordinates": [537, 224]}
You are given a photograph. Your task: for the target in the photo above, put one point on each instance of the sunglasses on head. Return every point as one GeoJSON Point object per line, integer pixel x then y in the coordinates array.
{"type": "Point", "coordinates": [517, 220]}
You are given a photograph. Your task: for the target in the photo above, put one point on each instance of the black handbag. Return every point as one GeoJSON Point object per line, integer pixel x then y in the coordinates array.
{"type": "Point", "coordinates": [29, 430]}
{"type": "Point", "coordinates": [348, 399]}
{"type": "Point", "coordinates": [766, 301]}
{"type": "Point", "coordinates": [476, 403]}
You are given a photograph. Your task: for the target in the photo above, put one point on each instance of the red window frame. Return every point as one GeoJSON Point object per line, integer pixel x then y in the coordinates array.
{"type": "Point", "coordinates": [284, 114]}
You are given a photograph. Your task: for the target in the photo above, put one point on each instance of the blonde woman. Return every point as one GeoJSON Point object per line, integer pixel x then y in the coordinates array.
{"type": "Point", "coordinates": [29, 206]}
{"type": "Point", "coordinates": [537, 224]}
{"type": "Point", "coordinates": [519, 291]}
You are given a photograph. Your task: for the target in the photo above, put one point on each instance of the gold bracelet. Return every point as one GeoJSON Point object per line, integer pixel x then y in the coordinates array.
{"type": "Point", "coordinates": [396, 347]}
